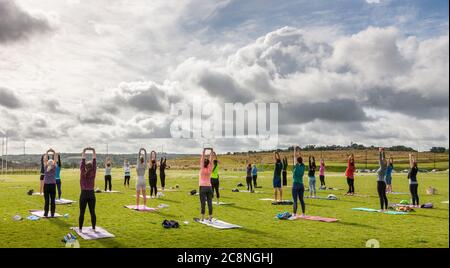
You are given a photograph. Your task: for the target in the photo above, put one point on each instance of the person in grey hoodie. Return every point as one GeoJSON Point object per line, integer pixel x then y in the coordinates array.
{"type": "Point", "coordinates": [381, 180]}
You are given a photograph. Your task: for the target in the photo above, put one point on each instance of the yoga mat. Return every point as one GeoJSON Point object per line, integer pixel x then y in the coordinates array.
{"type": "Point", "coordinates": [218, 224]}
{"type": "Point", "coordinates": [63, 201]}
{"type": "Point", "coordinates": [376, 210]}
{"type": "Point", "coordinates": [39, 194]}
{"type": "Point", "coordinates": [40, 214]}
{"type": "Point", "coordinates": [168, 190]}
{"type": "Point", "coordinates": [396, 212]}
{"type": "Point", "coordinates": [107, 192]}
{"type": "Point", "coordinates": [283, 203]}
{"type": "Point", "coordinates": [321, 198]}
{"type": "Point", "coordinates": [141, 208]}
{"type": "Point", "coordinates": [222, 204]}
{"type": "Point", "coordinates": [141, 196]}
{"type": "Point", "coordinates": [313, 218]}
{"type": "Point", "coordinates": [399, 193]}
{"type": "Point", "coordinates": [366, 209]}
{"type": "Point", "coordinates": [89, 234]}
{"type": "Point", "coordinates": [246, 191]}
{"type": "Point", "coordinates": [271, 199]}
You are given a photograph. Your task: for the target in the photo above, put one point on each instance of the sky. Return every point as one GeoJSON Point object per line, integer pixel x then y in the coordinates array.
{"type": "Point", "coordinates": [76, 73]}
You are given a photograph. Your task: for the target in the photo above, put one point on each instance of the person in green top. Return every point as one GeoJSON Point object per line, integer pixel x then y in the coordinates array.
{"type": "Point", "coordinates": [298, 189]}
{"type": "Point", "coordinates": [215, 179]}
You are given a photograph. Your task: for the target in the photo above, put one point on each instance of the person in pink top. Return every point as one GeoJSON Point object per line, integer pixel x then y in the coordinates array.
{"type": "Point", "coordinates": [205, 187]}
{"type": "Point", "coordinates": [350, 174]}
{"type": "Point", "coordinates": [322, 174]}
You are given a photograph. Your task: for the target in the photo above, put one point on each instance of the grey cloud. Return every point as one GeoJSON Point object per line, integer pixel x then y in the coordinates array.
{"type": "Point", "coordinates": [149, 98]}
{"type": "Point", "coordinates": [96, 120]}
{"type": "Point", "coordinates": [16, 24]}
{"type": "Point", "coordinates": [54, 106]}
{"type": "Point", "coordinates": [9, 99]}
{"type": "Point", "coordinates": [334, 110]}
{"type": "Point", "coordinates": [409, 102]}
{"type": "Point", "coordinates": [224, 86]}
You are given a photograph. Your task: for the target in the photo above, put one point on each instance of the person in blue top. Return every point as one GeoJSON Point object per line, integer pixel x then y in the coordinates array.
{"type": "Point", "coordinates": [298, 189]}
{"type": "Point", "coordinates": [254, 176]}
{"type": "Point", "coordinates": [277, 177]}
{"type": "Point", "coordinates": [58, 175]}
{"type": "Point", "coordinates": [389, 170]}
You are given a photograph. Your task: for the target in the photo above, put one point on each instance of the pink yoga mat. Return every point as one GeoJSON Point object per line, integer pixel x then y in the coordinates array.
{"type": "Point", "coordinates": [314, 218]}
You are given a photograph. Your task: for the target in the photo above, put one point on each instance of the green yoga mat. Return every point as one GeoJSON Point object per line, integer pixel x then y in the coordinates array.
{"type": "Point", "coordinates": [390, 212]}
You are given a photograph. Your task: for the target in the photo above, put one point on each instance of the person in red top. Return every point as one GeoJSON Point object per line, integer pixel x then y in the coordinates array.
{"type": "Point", "coordinates": [88, 171]}
{"type": "Point", "coordinates": [350, 174]}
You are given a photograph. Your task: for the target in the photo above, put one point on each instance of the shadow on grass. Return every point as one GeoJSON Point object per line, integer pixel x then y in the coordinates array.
{"type": "Point", "coordinates": [241, 208]}
{"type": "Point", "coordinates": [166, 214]}
{"type": "Point", "coordinates": [253, 231]}
{"type": "Point", "coordinates": [429, 216]}
{"type": "Point", "coordinates": [354, 224]}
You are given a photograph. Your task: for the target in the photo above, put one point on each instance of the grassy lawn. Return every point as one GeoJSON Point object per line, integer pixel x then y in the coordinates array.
{"type": "Point", "coordinates": [423, 228]}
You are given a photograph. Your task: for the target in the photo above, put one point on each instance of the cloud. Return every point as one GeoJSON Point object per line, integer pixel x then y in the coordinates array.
{"type": "Point", "coordinates": [333, 110]}
{"type": "Point", "coordinates": [9, 99]}
{"type": "Point", "coordinates": [373, 1]}
{"type": "Point", "coordinates": [54, 106]}
{"type": "Point", "coordinates": [96, 119]}
{"type": "Point", "coordinates": [16, 24]}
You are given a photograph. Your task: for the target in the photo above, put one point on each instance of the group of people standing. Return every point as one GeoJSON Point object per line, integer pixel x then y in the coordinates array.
{"type": "Point", "coordinates": [280, 174]}
{"type": "Point", "coordinates": [141, 167]}
{"type": "Point", "coordinates": [50, 180]}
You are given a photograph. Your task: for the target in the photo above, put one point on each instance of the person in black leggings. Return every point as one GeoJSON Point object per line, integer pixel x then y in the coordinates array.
{"type": "Point", "coordinates": [413, 183]}
{"type": "Point", "coordinates": [152, 177]}
{"type": "Point", "coordinates": [87, 183]}
{"type": "Point", "coordinates": [284, 172]}
{"type": "Point", "coordinates": [248, 178]}
{"type": "Point", "coordinates": [215, 179]}
{"type": "Point", "coordinates": [381, 181]}
{"type": "Point", "coordinates": [162, 172]}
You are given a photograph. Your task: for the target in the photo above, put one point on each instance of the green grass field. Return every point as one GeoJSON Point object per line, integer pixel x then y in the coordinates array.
{"type": "Point", "coordinates": [421, 229]}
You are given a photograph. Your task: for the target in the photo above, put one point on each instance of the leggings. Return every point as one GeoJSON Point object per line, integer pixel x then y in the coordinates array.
{"type": "Point", "coordinates": [413, 188]}
{"type": "Point", "coordinates": [322, 180]}
{"type": "Point", "coordinates": [298, 191]}
{"type": "Point", "coordinates": [58, 186]}
{"type": "Point", "coordinates": [284, 177]}
{"type": "Point", "coordinates": [126, 181]}
{"type": "Point", "coordinates": [162, 176]}
{"type": "Point", "coordinates": [87, 198]}
{"type": "Point", "coordinates": [206, 194]}
{"type": "Point", "coordinates": [381, 187]}
{"type": "Point", "coordinates": [254, 181]}
{"type": "Point", "coordinates": [249, 183]}
{"type": "Point", "coordinates": [351, 186]}
{"type": "Point", "coordinates": [49, 197]}
{"type": "Point", "coordinates": [312, 185]}
{"type": "Point", "coordinates": [215, 187]}
{"type": "Point", "coordinates": [108, 182]}
{"type": "Point", "coordinates": [153, 188]}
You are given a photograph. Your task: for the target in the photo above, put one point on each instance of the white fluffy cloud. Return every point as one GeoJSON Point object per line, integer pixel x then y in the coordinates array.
{"type": "Point", "coordinates": [375, 86]}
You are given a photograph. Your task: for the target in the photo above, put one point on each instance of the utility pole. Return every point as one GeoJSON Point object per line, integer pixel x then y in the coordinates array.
{"type": "Point", "coordinates": [24, 158]}
{"type": "Point", "coordinates": [6, 152]}
{"type": "Point", "coordinates": [3, 151]}
{"type": "Point", "coordinates": [366, 158]}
